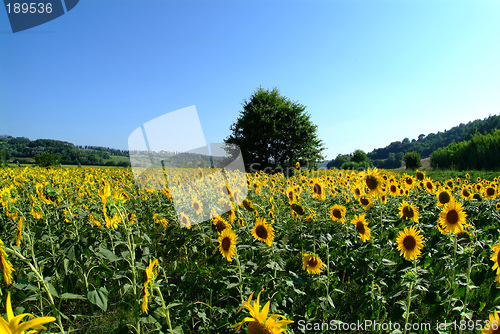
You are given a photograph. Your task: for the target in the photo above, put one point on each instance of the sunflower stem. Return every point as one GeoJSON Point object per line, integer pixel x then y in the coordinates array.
{"type": "Point", "coordinates": [165, 308]}
{"type": "Point", "coordinates": [408, 301]}
{"type": "Point", "coordinates": [466, 289]}
{"type": "Point", "coordinates": [240, 286]}
{"type": "Point", "coordinates": [327, 274]}
{"type": "Point", "coordinates": [454, 262]}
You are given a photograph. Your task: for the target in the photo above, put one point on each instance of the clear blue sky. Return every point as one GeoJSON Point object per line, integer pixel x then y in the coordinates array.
{"type": "Point", "coordinates": [369, 72]}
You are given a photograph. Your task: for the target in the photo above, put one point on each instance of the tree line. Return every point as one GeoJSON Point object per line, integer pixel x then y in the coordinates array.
{"type": "Point", "coordinates": [24, 150]}
{"type": "Point", "coordinates": [426, 144]}
{"type": "Point", "coordinates": [481, 152]}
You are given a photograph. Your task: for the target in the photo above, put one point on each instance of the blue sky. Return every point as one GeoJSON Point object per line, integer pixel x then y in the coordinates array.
{"type": "Point", "coordinates": [369, 71]}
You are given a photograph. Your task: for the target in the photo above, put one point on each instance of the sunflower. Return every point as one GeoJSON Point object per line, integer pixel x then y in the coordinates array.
{"type": "Point", "coordinates": [497, 205]}
{"type": "Point", "coordinates": [6, 265]}
{"type": "Point", "coordinates": [318, 190]}
{"type": "Point", "coordinates": [13, 324]}
{"type": "Point", "coordinates": [151, 273]}
{"type": "Point", "coordinates": [227, 244]}
{"type": "Point", "coordinates": [259, 323]}
{"type": "Point", "coordinates": [161, 221]}
{"type": "Point", "coordinates": [443, 196]}
{"type": "Point", "coordinates": [410, 243]}
{"type": "Point", "coordinates": [466, 193]}
{"type": "Point", "coordinates": [185, 221]}
{"type": "Point", "coordinates": [429, 185]}
{"type": "Point", "coordinates": [197, 206]}
{"type": "Point", "coordinates": [373, 182]}
{"type": "Point", "coordinates": [495, 257]}
{"type": "Point", "coordinates": [19, 232]}
{"type": "Point", "coordinates": [290, 193]}
{"type": "Point", "coordinates": [358, 190]}
{"type": "Point", "coordinates": [408, 212]}
{"type": "Point", "coordinates": [490, 192]}
{"type": "Point", "coordinates": [94, 221]}
{"type": "Point", "coordinates": [393, 189]}
{"type": "Point", "coordinates": [477, 197]}
{"type": "Point", "coordinates": [263, 231]}
{"type": "Point", "coordinates": [493, 325]}
{"type": "Point", "coordinates": [420, 175]}
{"type": "Point", "coordinates": [312, 264]}
{"type": "Point", "coordinates": [365, 202]}
{"type": "Point", "coordinates": [298, 209]}
{"type": "Point", "coordinates": [248, 205]}
{"type": "Point", "coordinates": [337, 213]}
{"type": "Point", "coordinates": [409, 181]}
{"type": "Point", "coordinates": [361, 226]}
{"type": "Point", "coordinates": [220, 224]}
{"type": "Point", "coordinates": [452, 217]}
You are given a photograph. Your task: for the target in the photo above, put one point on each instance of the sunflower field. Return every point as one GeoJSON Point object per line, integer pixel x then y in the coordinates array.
{"type": "Point", "coordinates": [86, 250]}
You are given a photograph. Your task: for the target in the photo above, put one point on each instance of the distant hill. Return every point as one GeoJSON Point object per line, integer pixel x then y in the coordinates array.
{"type": "Point", "coordinates": [24, 150]}
{"type": "Point", "coordinates": [425, 145]}
{"type": "Point", "coordinates": [391, 155]}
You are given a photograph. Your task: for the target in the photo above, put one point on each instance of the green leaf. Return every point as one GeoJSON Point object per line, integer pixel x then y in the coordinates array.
{"type": "Point", "coordinates": [99, 298]}
{"type": "Point", "coordinates": [173, 305]}
{"type": "Point", "coordinates": [72, 296]}
{"type": "Point", "coordinates": [106, 253]}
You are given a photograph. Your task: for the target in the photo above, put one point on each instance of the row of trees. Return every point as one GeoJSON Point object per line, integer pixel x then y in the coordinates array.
{"type": "Point", "coordinates": [481, 152]}
{"type": "Point", "coordinates": [426, 144]}
{"type": "Point", "coordinates": [22, 149]}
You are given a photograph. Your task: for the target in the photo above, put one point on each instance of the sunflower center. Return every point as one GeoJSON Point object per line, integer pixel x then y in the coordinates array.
{"type": "Point", "coordinates": [255, 327]}
{"type": "Point", "coordinates": [371, 182]}
{"type": "Point", "coordinates": [452, 217]}
{"type": "Point", "coordinates": [312, 262]}
{"type": "Point", "coordinates": [490, 191]}
{"type": "Point", "coordinates": [360, 227]}
{"type": "Point", "coordinates": [196, 206]}
{"type": "Point", "coordinates": [429, 185]}
{"type": "Point", "coordinates": [226, 244]}
{"type": "Point", "coordinates": [408, 212]}
{"type": "Point", "coordinates": [393, 189]}
{"type": "Point", "coordinates": [477, 197]}
{"type": "Point", "coordinates": [261, 232]}
{"type": "Point", "coordinates": [336, 213]}
{"type": "Point", "coordinates": [409, 243]}
{"type": "Point", "coordinates": [466, 193]}
{"type": "Point", "coordinates": [317, 189]}
{"type": "Point", "coordinates": [357, 192]}
{"type": "Point", "coordinates": [220, 226]}
{"type": "Point", "coordinates": [290, 195]}
{"type": "Point", "coordinates": [444, 197]}
{"type": "Point", "coordinates": [420, 176]}
{"type": "Point", "coordinates": [409, 181]}
{"type": "Point", "coordinates": [364, 201]}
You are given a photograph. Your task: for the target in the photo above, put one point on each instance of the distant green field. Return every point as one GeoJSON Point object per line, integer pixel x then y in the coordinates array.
{"type": "Point", "coordinates": [23, 162]}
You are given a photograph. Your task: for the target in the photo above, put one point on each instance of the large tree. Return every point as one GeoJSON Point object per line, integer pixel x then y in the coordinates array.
{"type": "Point", "coordinates": [272, 131]}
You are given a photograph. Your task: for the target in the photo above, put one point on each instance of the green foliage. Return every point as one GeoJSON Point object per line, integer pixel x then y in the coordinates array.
{"type": "Point", "coordinates": [23, 148]}
{"type": "Point", "coordinates": [273, 131]}
{"type": "Point", "coordinates": [359, 156]}
{"type": "Point", "coordinates": [3, 160]}
{"type": "Point", "coordinates": [426, 144]}
{"type": "Point", "coordinates": [481, 152]}
{"type": "Point", "coordinates": [47, 159]}
{"type": "Point", "coordinates": [356, 160]}
{"type": "Point", "coordinates": [412, 160]}
{"type": "Point", "coordinates": [338, 161]}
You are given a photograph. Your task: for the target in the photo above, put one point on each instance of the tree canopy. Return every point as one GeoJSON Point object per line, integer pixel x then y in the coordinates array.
{"type": "Point", "coordinates": [272, 131]}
